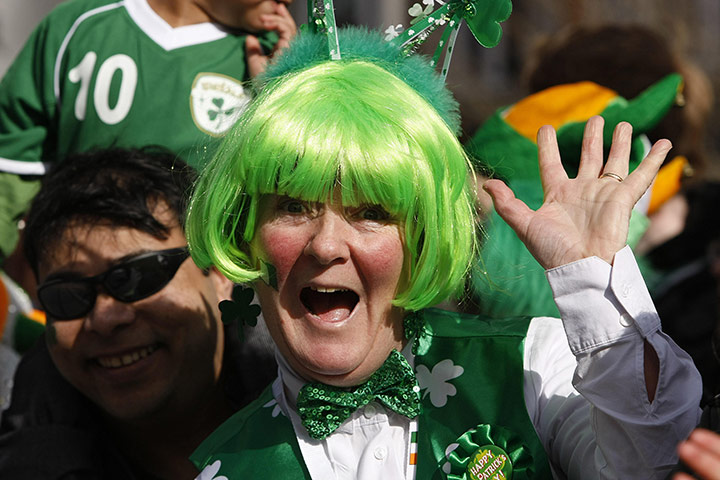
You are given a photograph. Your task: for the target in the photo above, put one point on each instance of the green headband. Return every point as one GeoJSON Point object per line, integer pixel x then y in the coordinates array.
{"type": "Point", "coordinates": [482, 16]}
{"type": "Point", "coordinates": [320, 41]}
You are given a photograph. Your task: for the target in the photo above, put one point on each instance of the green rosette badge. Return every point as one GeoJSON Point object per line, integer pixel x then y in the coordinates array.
{"type": "Point", "coordinates": [489, 461]}
{"type": "Point", "coordinates": [490, 452]}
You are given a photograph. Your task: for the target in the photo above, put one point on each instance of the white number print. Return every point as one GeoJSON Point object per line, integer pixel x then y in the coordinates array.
{"type": "Point", "coordinates": [83, 72]}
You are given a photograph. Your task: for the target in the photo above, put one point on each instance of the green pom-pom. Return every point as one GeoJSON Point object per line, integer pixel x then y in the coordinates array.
{"type": "Point", "coordinates": [359, 43]}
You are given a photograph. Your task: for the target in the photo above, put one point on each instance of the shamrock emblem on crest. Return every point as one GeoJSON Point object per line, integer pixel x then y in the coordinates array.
{"type": "Point", "coordinates": [219, 102]}
{"type": "Point", "coordinates": [240, 309]}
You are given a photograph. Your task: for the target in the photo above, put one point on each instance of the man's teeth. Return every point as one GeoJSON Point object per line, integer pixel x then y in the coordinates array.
{"type": "Point", "coordinates": [328, 289]}
{"type": "Point", "coordinates": [126, 359]}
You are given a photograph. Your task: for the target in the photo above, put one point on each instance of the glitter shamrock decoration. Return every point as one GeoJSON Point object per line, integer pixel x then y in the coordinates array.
{"type": "Point", "coordinates": [419, 12]}
{"type": "Point", "coordinates": [392, 31]}
{"type": "Point", "coordinates": [482, 16]}
{"type": "Point", "coordinates": [240, 309]}
{"type": "Point", "coordinates": [321, 19]}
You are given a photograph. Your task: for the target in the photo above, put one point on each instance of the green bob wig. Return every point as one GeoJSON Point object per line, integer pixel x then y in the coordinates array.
{"type": "Point", "coordinates": [347, 127]}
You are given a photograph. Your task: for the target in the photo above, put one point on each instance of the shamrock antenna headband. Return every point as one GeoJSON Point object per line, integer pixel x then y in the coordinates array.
{"type": "Point", "coordinates": [482, 16]}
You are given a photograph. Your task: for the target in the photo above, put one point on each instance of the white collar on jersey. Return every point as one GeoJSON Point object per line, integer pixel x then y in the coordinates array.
{"type": "Point", "coordinates": [164, 35]}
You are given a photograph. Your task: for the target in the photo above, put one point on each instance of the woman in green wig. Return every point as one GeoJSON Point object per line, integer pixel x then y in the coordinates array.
{"type": "Point", "coordinates": [342, 196]}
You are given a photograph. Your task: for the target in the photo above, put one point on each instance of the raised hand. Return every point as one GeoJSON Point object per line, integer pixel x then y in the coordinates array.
{"type": "Point", "coordinates": [587, 215]}
{"type": "Point", "coordinates": [281, 22]}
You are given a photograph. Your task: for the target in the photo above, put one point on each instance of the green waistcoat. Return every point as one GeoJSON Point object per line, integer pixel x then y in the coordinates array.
{"type": "Point", "coordinates": [474, 423]}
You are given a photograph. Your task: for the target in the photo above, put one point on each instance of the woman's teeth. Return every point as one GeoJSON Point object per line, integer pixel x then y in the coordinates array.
{"type": "Point", "coordinates": [126, 359]}
{"type": "Point", "coordinates": [329, 289]}
{"type": "Point", "coordinates": [332, 304]}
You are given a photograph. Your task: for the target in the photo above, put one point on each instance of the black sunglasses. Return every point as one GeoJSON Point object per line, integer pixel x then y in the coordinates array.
{"type": "Point", "coordinates": [129, 281]}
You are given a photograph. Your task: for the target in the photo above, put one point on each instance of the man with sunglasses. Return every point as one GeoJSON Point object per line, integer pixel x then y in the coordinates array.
{"type": "Point", "coordinates": [136, 366]}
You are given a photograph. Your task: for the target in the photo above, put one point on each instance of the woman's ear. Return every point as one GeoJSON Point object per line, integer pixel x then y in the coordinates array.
{"type": "Point", "coordinates": [223, 286]}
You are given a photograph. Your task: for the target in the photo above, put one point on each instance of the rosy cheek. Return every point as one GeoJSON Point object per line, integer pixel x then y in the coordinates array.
{"type": "Point", "coordinates": [384, 260]}
{"type": "Point", "coordinates": [281, 251]}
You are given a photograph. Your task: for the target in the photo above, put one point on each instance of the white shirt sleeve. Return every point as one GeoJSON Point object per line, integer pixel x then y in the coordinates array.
{"type": "Point", "coordinates": [605, 427]}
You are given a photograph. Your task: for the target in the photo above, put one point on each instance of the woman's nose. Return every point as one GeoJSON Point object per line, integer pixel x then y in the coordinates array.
{"type": "Point", "coordinates": [329, 240]}
{"type": "Point", "coordinates": [108, 315]}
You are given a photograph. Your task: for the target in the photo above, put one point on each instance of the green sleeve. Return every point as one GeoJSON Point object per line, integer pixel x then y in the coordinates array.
{"type": "Point", "coordinates": [27, 103]}
{"type": "Point", "coordinates": [17, 193]}
{"type": "Point", "coordinates": [27, 106]}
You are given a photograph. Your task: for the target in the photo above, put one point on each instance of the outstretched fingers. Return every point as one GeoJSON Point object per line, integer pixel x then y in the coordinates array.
{"type": "Point", "coordinates": [551, 167]}
{"type": "Point", "coordinates": [619, 155]}
{"type": "Point", "coordinates": [514, 211]}
{"type": "Point", "coordinates": [591, 156]}
{"type": "Point", "coordinates": [641, 178]}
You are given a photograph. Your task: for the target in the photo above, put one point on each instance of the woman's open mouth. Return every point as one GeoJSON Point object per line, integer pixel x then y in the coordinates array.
{"type": "Point", "coordinates": [329, 304]}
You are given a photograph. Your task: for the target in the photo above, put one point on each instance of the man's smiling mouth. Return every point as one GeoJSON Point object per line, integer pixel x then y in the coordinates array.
{"type": "Point", "coordinates": [117, 361]}
{"type": "Point", "coordinates": [328, 303]}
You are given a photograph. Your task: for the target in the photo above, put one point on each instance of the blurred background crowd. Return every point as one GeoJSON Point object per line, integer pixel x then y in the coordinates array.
{"type": "Point", "coordinates": [486, 79]}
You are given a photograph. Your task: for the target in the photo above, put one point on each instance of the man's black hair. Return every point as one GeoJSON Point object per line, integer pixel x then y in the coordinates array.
{"type": "Point", "coordinates": [117, 186]}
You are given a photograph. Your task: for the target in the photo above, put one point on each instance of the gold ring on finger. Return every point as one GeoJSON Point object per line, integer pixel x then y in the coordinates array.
{"type": "Point", "coordinates": [612, 175]}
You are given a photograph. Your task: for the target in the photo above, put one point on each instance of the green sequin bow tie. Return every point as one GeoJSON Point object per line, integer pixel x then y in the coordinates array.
{"type": "Point", "coordinates": [323, 408]}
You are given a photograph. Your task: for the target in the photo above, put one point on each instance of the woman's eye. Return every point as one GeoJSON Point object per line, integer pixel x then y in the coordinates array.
{"type": "Point", "coordinates": [293, 206]}
{"type": "Point", "coordinates": [373, 213]}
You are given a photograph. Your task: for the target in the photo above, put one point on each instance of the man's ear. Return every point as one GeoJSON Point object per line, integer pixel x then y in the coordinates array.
{"type": "Point", "coordinates": [223, 286]}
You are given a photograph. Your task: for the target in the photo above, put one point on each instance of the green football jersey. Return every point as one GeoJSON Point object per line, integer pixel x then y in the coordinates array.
{"type": "Point", "coordinates": [98, 73]}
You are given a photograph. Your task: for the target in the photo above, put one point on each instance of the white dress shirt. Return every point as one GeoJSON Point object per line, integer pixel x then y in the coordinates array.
{"type": "Point", "coordinates": [584, 387]}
